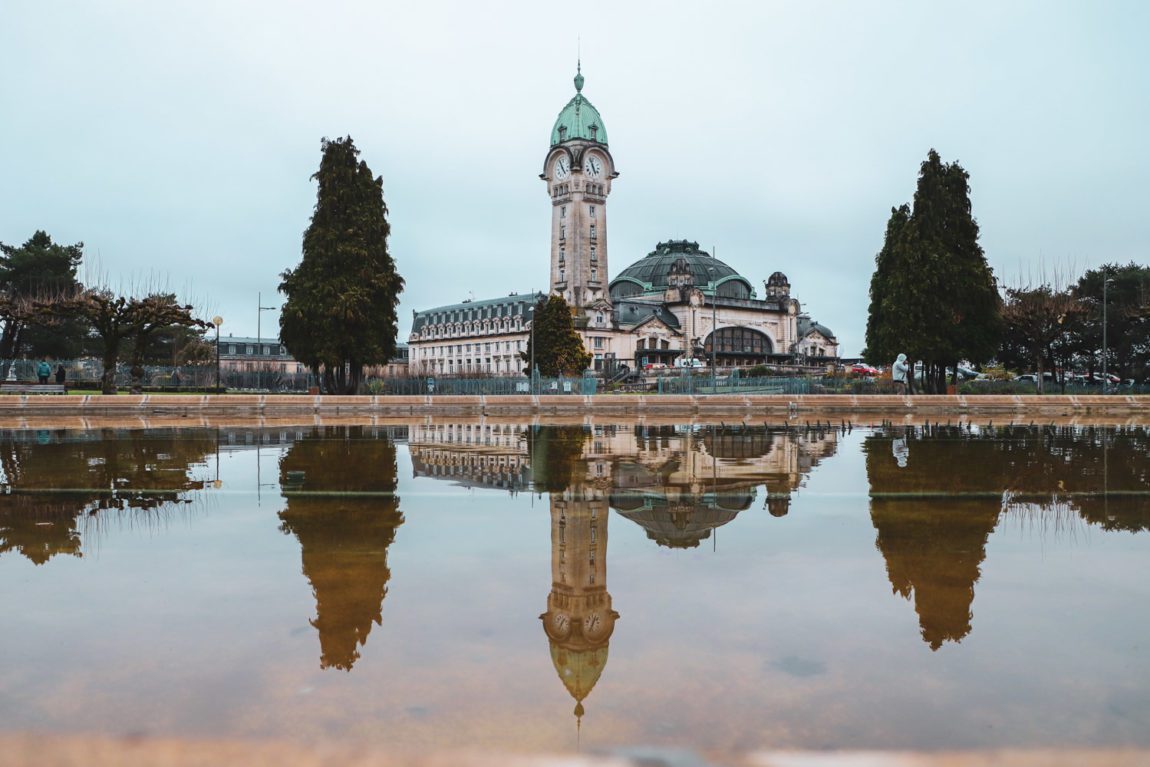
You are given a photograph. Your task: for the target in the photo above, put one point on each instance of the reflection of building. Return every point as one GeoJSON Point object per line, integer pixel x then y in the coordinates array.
{"type": "Point", "coordinates": [480, 455]}
{"type": "Point", "coordinates": [677, 301]}
{"type": "Point", "coordinates": [681, 484]}
{"type": "Point", "coordinates": [50, 480]}
{"type": "Point", "coordinates": [340, 502]}
{"type": "Point", "coordinates": [579, 620]}
{"type": "Point", "coordinates": [677, 483]}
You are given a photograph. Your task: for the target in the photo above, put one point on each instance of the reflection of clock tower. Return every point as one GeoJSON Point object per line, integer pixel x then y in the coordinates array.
{"type": "Point", "coordinates": [579, 619]}
{"type": "Point", "coordinates": [578, 171]}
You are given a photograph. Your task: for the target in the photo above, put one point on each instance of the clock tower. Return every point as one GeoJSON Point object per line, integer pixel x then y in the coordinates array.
{"type": "Point", "coordinates": [578, 171]}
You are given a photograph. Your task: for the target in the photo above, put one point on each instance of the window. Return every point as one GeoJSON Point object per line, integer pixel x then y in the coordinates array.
{"type": "Point", "coordinates": [562, 211]}
{"type": "Point", "coordinates": [562, 255]}
{"type": "Point", "coordinates": [591, 211]}
{"type": "Point", "coordinates": [640, 344]}
{"type": "Point", "coordinates": [562, 275]}
{"type": "Point", "coordinates": [592, 232]}
{"type": "Point", "coordinates": [594, 275]}
{"type": "Point", "coordinates": [594, 253]}
{"type": "Point", "coordinates": [598, 319]}
{"type": "Point", "coordinates": [563, 231]}
{"type": "Point", "coordinates": [598, 343]}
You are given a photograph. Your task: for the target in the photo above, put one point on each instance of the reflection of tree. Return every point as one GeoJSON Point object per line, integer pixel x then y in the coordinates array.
{"type": "Point", "coordinates": [339, 486]}
{"type": "Point", "coordinates": [556, 452]}
{"type": "Point", "coordinates": [54, 477]}
{"type": "Point", "coordinates": [934, 515]}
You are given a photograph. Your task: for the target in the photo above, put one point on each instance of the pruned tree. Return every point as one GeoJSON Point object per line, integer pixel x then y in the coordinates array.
{"type": "Point", "coordinates": [933, 294]}
{"type": "Point", "coordinates": [119, 321]}
{"type": "Point", "coordinates": [340, 313]}
{"type": "Point", "coordinates": [559, 349]}
{"type": "Point", "coordinates": [1036, 320]}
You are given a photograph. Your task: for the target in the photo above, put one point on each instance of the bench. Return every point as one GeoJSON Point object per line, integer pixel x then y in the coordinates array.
{"type": "Point", "coordinates": [27, 388]}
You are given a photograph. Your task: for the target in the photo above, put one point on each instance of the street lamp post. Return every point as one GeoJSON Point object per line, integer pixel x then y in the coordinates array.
{"type": "Point", "coordinates": [260, 309]}
{"type": "Point", "coordinates": [217, 321]}
{"type": "Point", "coordinates": [531, 343]}
{"type": "Point", "coordinates": [714, 319]}
{"type": "Point", "coordinates": [1105, 349]}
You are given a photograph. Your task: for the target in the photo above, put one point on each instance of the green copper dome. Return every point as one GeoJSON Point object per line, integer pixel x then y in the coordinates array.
{"type": "Point", "coordinates": [579, 118]}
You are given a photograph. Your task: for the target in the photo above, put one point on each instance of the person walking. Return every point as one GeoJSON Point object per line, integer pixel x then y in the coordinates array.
{"type": "Point", "coordinates": [898, 373]}
{"type": "Point", "coordinates": [43, 370]}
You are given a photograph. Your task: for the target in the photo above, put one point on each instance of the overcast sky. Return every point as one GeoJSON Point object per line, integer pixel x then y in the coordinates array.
{"type": "Point", "coordinates": [177, 139]}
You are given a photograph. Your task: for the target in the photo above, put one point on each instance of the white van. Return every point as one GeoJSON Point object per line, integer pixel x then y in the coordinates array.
{"type": "Point", "coordinates": [689, 362]}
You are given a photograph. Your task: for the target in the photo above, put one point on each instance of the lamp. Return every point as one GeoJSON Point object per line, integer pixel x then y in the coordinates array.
{"type": "Point", "coordinates": [217, 321]}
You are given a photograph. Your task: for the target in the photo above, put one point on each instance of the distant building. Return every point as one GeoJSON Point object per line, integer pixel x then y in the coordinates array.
{"type": "Point", "coordinates": [244, 354]}
{"type": "Point", "coordinates": [676, 302]}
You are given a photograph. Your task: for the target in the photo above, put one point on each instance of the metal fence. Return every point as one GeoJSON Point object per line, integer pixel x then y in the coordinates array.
{"type": "Point", "coordinates": [85, 374]}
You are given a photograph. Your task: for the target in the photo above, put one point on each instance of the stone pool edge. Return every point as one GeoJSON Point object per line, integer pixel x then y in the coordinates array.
{"type": "Point", "coordinates": [748, 408]}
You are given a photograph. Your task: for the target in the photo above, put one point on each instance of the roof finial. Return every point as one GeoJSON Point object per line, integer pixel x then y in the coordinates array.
{"type": "Point", "coordinates": [579, 64]}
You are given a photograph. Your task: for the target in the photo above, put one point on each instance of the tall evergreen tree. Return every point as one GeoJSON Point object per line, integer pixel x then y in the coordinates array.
{"type": "Point", "coordinates": [559, 349]}
{"type": "Point", "coordinates": [933, 294]}
{"type": "Point", "coordinates": [340, 313]}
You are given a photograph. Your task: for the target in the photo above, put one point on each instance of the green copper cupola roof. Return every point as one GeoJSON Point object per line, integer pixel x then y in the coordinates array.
{"type": "Point", "coordinates": [579, 119]}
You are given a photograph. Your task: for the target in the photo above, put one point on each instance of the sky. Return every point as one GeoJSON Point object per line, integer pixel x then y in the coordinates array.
{"type": "Point", "coordinates": [177, 140]}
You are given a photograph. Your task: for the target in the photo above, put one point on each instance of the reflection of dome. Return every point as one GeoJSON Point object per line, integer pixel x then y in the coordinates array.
{"type": "Point", "coordinates": [681, 526]}
{"type": "Point", "coordinates": [653, 273]}
{"type": "Point", "coordinates": [579, 119]}
{"type": "Point", "coordinates": [579, 670]}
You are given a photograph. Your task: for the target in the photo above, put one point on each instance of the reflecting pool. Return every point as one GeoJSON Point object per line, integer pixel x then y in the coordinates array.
{"type": "Point", "coordinates": [551, 588]}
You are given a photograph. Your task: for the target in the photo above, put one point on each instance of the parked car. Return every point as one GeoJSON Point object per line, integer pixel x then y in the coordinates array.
{"type": "Point", "coordinates": [862, 369]}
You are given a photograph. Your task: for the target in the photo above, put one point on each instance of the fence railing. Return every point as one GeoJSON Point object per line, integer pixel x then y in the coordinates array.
{"type": "Point", "coordinates": [86, 374]}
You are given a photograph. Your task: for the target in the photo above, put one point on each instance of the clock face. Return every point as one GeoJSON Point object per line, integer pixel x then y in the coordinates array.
{"type": "Point", "coordinates": [562, 168]}
{"type": "Point", "coordinates": [560, 621]}
{"type": "Point", "coordinates": [592, 622]}
{"type": "Point", "coordinates": [593, 166]}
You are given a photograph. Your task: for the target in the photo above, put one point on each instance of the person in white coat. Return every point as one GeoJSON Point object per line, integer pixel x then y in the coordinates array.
{"type": "Point", "coordinates": [898, 373]}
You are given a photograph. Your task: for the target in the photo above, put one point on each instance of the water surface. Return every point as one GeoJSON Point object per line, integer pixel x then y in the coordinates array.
{"type": "Point", "coordinates": [551, 588]}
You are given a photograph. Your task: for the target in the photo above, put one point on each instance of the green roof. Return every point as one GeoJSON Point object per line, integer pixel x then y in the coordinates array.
{"type": "Point", "coordinates": [580, 118]}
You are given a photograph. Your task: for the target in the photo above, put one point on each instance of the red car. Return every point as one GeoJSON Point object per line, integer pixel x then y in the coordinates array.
{"type": "Point", "coordinates": [861, 369]}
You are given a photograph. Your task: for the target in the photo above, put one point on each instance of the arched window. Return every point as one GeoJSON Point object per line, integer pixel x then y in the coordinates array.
{"type": "Point", "coordinates": [739, 344]}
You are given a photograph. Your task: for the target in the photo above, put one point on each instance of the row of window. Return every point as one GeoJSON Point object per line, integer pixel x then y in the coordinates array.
{"type": "Point", "coordinates": [472, 314]}
{"type": "Point", "coordinates": [506, 325]}
{"type": "Point", "coordinates": [563, 230]}
{"type": "Point", "coordinates": [590, 214]}
{"type": "Point", "coordinates": [255, 350]}
{"type": "Point", "coordinates": [452, 350]}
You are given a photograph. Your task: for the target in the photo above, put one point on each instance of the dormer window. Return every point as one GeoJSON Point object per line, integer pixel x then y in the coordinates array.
{"type": "Point", "coordinates": [598, 319]}
{"type": "Point", "coordinates": [562, 132]}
